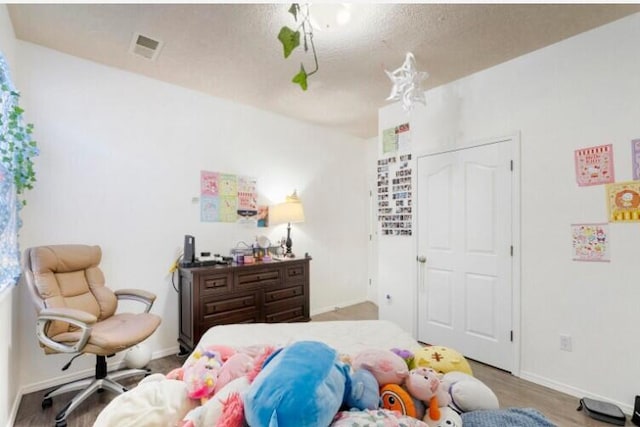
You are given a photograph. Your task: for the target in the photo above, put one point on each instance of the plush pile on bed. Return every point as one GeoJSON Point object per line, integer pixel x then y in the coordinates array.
{"type": "Point", "coordinates": [299, 377]}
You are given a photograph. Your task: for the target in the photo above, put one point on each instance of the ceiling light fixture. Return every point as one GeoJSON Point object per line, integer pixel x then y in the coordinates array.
{"type": "Point", "coordinates": [407, 83]}
{"type": "Point", "coordinates": [328, 16]}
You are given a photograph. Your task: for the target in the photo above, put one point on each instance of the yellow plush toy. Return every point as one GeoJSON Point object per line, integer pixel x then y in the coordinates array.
{"type": "Point", "coordinates": [441, 359]}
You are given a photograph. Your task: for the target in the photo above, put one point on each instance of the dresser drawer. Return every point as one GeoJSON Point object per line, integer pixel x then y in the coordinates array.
{"type": "Point", "coordinates": [229, 317]}
{"type": "Point", "coordinates": [283, 293]}
{"type": "Point", "coordinates": [215, 283]}
{"type": "Point", "coordinates": [217, 306]}
{"type": "Point", "coordinates": [258, 277]}
{"type": "Point", "coordinates": [295, 273]}
{"type": "Point", "coordinates": [289, 314]}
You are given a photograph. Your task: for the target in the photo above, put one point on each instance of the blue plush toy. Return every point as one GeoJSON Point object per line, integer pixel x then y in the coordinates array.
{"type": "Point", "coordinates": [364, 392]}
{"type": "Point", "coordinates": [301, 385]}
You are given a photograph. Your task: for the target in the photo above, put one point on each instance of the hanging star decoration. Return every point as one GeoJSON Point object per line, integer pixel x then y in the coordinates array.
{"type": "Point", "coordinates": [407, 83]}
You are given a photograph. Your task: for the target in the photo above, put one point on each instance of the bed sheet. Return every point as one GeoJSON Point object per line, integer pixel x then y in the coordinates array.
{"type": "Point", "coordinates": [345, 336]}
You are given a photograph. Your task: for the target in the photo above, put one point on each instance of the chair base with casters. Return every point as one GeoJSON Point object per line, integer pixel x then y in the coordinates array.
{"type": "Point", "coordinates": [101, 381]}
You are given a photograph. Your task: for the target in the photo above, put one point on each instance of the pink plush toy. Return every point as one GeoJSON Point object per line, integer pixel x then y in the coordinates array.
{"type": "Point", "coordinates": [201, 374]}
{"type": "Point", "coordinates": [236, 366]}
{"type": "Point", "coordinates": [425, 383]}
{"type": "Point", "coordinates": [386, 366]}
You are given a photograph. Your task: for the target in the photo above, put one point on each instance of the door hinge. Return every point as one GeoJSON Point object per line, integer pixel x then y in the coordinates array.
{"type": "Point", "coordinates": [369, 282]}
{"type": "Point", "coordinates": [370, 237]}
{"type": "Point", "coordinates": [511, 164]}
{"type": "Point", "coordinates": [511, 336]}
{"type": "Point", "coordinates": [511, 250]}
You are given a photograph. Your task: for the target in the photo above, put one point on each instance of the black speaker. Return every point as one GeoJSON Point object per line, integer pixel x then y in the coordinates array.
{"type": "Point", "coordinates": [189, 249]}
{"type": "Point", "coordinates": [635, 418]}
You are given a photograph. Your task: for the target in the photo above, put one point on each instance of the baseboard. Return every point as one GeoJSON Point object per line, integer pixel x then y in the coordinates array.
{"type": "Point", "coordinates": [572, 391]}
{"type": "Point", "coordinates": [63, 379]}
{"type": "Point", "coordinates": [338, 306]}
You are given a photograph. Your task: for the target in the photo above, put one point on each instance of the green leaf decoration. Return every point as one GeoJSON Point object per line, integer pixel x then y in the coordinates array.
{"type": "Point", "coordinates": [294, 11]}
{"type": "Point", "coordinates": [301, 78]}
{"type": "Point", "coordinates": [290, 40]}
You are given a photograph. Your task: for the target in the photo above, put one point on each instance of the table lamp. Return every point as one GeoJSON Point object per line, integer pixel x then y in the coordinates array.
{"type": "Point", "coordinates": [290, 211]}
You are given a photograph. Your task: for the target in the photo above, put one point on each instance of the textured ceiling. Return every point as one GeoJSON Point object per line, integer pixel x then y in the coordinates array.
{"type": "Point", "coordinates": [231, 51]}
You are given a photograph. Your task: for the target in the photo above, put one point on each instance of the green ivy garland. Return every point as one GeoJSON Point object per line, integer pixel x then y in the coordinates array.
{"type": "Point", "coordinates": [290, 40]}
{"type": "Point", "coordinates": [17, 148]}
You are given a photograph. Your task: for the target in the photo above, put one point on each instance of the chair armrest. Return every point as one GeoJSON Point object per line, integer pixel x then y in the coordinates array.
{"type": "Point", "coordinates": [78, 318]}
{"type": "Point", "coordinates": [147, 298]}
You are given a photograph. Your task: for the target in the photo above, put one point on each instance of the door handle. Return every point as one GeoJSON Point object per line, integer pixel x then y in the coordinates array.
{"type": "Point", "coordinates": [421, 259]}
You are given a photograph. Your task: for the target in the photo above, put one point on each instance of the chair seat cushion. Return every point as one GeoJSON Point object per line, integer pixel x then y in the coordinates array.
{"type": "Point", "coordinates": [115, 333]}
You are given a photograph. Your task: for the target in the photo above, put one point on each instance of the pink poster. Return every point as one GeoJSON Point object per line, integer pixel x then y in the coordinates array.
{"type": "Point", "coordinates": [208, 183]}
{"type": "Point", "coordinates": [594, 165]}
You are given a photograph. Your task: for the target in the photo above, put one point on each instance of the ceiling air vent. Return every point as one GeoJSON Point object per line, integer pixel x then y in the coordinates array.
{"type": "Point", "coordinates": [145, 46]}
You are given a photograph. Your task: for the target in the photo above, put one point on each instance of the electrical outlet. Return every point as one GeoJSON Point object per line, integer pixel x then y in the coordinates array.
{"type": "Point", "coordinates": [565, 342]}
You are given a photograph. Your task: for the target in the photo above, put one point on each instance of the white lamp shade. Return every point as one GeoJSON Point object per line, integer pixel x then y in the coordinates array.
{"type": "Point", "coordinates": [291, 211]}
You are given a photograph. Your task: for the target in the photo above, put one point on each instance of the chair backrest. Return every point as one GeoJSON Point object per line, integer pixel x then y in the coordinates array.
{"type": "Point", "coordinates": [68, 276]}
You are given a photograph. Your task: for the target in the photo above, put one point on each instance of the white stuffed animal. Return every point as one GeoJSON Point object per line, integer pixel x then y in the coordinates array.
{"type": "Point", "coordinates": [468, 393]}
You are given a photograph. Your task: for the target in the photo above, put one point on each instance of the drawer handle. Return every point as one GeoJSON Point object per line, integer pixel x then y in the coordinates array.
{"type": "Point", "coordinates": [271, 296]}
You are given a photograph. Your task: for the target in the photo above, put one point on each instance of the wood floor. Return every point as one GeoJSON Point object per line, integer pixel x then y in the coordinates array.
{"type": "Point", "coordinates": [511, 391]}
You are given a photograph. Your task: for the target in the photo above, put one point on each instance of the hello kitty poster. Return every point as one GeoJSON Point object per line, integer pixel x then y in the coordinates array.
{"type": "Point", "coordinates": [594, 165]}
{"type": "Point", "coordinates": [623, 201]}
{"type": "Point", "coordinates": [590, 242]}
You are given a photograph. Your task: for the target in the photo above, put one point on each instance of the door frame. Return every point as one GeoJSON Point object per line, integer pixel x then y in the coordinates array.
{"type": "Point", "coordinates": [516, 218]}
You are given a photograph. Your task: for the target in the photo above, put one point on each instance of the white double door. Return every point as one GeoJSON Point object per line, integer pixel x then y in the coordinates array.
{"type": "Point", "coordinates": [465, 206]}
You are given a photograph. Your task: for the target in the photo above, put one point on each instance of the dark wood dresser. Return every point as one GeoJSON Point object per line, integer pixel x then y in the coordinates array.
{"type": "Point", "coordinates": [272, 292]}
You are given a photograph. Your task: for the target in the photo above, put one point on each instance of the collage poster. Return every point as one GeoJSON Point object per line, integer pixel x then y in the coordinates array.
{"type": "Point", "coordinates": [590, 242]}
{"type": "Point", "coordinates": [395, 195]}
{"type": "Point", "coordinates": [623, 201]}
{"type": "Point", "coordinates": [396, 139]}
{"type": "Point", "coordinates": [635, 158]}
{"type": "Point", "coordinates": [594, 165]}
{"type": "Point", "coordinates": [227, 198]}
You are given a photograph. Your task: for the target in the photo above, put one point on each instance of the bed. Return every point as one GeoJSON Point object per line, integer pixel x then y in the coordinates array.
{"type": "Point", "coordinates": [158, 401]}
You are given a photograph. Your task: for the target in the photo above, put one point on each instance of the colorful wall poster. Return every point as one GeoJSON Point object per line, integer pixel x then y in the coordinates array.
{"type": "Point", "coordinates": [228, 198]}
{"type": "Point", "coordinates": [228, 209]}
{"type": "Point", "coordinates": [247, 197]}
{"type": "Point", "coordinates": [209, 210]}
{"type": "Point", "coordinates": [623, 201]}
{"type": "Point", "coordinates": [228, 185]}
{"type": "Point", "coordinates": [590, 242]}
{"type": "Point", "coordinates": [263, 216]}
{"type": "Point", "coordinates": [635, 158]}
{"type": "Point", "coordinates": [209, 183]}
{"type": "Point", "coordinates": [404, 137]}
{"type": "Point", "coordinates": [594, 165]}
{"type": "Point", "coordinates": [389, 141]}
{"type": "Point", "coordinates": [395, 196]}
{"type": "Point", "coordinates": [397, 138]}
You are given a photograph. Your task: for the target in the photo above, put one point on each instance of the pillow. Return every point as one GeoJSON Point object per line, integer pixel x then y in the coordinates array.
{"type": "Point", "coordinates": [376, 417]}
{"type": "Point", "coordinates": [153, 402]}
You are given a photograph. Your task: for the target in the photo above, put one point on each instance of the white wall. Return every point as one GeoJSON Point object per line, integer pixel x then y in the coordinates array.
{"type": "Point", "coordinates": [8, 299]}
{"type": "Point", "coordinates": [578, 93]}
{"type": "Point", "coordinates": [120, 162]}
